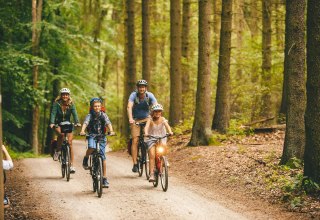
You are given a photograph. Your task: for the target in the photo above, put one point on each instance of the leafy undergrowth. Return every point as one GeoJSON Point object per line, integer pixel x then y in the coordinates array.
{"type": "Point", "coordinates": [247, 165]}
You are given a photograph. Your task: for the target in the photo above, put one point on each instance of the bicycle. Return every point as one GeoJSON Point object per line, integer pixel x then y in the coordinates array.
{"type": "Point", "coordinates": [161, 163]}
{"type": "Point", "coordinates": [95, 163]}
{"type": "Point", "coordinates": [64, 157]}
{"type": "Point", "coordinates": [142, 151]}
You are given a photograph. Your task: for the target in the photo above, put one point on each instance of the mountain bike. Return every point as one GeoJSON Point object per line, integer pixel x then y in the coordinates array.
{"type": "Point", "coordinates": [95, 163]}
{"type": "Point", "coordinates": [161, 163]}
{"type": "Point", "coordinates": [142, 151]}
{"type": "Point", "coordinates": [64, 157]}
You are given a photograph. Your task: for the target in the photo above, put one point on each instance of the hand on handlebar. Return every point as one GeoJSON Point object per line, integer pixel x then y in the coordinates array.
{"type": "Point", "coordinates": [112, 133]}
{"type": "Point", "coordinates": [51, 125]}
{"type": "Point", "coordinates": [77, 125]}
{"type": "Point", "coordinates": [82, 133]}
{"type": "Point", "coordinates": [131, 121]}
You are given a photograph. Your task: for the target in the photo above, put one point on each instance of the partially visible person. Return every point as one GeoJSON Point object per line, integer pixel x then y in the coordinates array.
{"type": "Point", "coordinates": [62, 109]}
{"type": "Point", "coordinates": [7, 165]}
{"type": "Point", "coordinates": [138, 111]}
{"type": "Point", "coordinates": [95, 123]}
{"type": "Point", "coordinates": [156, 126]}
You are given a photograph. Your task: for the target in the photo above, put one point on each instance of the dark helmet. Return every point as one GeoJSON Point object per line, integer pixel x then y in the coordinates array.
{"type": "Point", "coordinates": [142, 82]}
{"type": "Point", "coordinates": [93, 100]}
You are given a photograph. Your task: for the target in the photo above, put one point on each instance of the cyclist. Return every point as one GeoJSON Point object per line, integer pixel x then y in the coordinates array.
{"type": "Point", "coordinates": [62, 109]}
{"type": "Point", "coordinates": [95, 123]}
{"type": "Point", "coordinates": [156, 126]}
{"type": "Point", "coordinates": [138, 111]}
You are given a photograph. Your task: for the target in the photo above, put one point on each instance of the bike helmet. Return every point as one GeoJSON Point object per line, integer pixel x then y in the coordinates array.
{"type": "Point", "coordinates": [157, 107]}
{"type": "Point", "coordinates": [65, 90]}
{"type": "Point", "coordinates": [93, 100]}
{"type": "Point", "coordinates": [142, 82]}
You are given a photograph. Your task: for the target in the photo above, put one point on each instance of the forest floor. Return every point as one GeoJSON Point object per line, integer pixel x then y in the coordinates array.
{"type": "Point", "coordinates": [241, 172]}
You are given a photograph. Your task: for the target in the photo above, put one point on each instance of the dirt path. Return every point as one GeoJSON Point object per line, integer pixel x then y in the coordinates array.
{"type": "Point", "coordinates": [128, 196]}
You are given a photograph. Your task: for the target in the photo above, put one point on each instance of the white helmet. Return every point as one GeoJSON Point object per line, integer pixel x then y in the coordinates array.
{"type": "Point", "coordinates": [65, 90]}
{"type": "Point", "coordinates": [142, 82]}
{"type": "Point", "coordinates": [157, 107]}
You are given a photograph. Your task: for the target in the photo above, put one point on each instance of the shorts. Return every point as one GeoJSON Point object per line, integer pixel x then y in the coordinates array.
{"type": "Point", "coordinates": [135, 129]}
{"type": "Point", "coordinates": [150, 142]}
{"type": "Point", "coordinates": [92, 144]}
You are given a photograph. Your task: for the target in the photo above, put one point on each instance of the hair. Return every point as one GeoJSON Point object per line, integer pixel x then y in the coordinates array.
{"type": "Point", "coordinates": [59, 99]}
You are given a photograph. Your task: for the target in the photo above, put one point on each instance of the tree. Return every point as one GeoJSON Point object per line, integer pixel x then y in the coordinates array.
{"type": "Point", "coordinates": [294, 69]}
{"type": "Point", "coordinates": [216, 21]}
{"type": "Point", "coordinates": [145, 40]}
{"type": "Point", "coordinates": [312, 115]}
{"type": "Point", "coordinates": [36, 19]}
{"type": "Point", "coordinates": [201, 130]}
{"type": "Point", "coordinates": [175, 63]}
{"type": "Point", "coordinates": [222, 109]}
{"type": "Point", "coordinates": [185, 55]}
{"type": "Point", "coordinates": [266, 104]}
{"type": "Point", "coordinates": [130, 62]}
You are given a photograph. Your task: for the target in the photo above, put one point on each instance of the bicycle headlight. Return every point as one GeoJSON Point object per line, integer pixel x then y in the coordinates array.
{"type": "Point", "coordinates": [161, 149]}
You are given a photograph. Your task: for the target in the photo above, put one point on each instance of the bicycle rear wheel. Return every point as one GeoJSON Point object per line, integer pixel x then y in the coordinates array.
{"type": "Point", "coordinates": [99, 176]}
{"type": "Point", "coordinates": [68, 164]}
{"type": "Point", "coordinates": [164, 173]}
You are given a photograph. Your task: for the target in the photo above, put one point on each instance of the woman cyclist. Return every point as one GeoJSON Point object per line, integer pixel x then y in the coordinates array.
{"type": "Point", "coordinates": [62, 109]}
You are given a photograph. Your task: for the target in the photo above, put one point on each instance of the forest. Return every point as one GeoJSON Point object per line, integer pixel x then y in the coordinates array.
{"type": "Point", "coordinates": [215, 66]}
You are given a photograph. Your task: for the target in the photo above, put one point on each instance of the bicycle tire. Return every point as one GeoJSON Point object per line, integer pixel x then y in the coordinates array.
{"type": "Point", "coordinates": [63, 165]}
{"type": "Point", "coordinates": [156, 178]}
{"type": "Point", "coordinates": [140, 160]}
{"type": "Point", "coordinates": [164, 173]}
{"type": "Point", "coordinates": [146, 166]}
{"type": "Point", "coordinates": [68, 164]}
{"type": "Point", "coordinates": [99, 176]}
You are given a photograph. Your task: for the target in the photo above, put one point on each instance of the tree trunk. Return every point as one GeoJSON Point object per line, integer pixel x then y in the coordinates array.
{"type": "Point", "coordinates": [222, 108]}
{"type": "Point", "coordinates": [145, 40]}
{"type": "Point", "coordinates": [185, 57]}
{"type": "Point", "coordinates": [201, 130]}
{"type": "Point", "coordinates": [130, 63]}
{"type": "Point", "coordinates": [1, 158]}
{"type": "Point", "coordinates": [175, 63]}
{"type": "Point", "coordinates": [312, 116]}
{"type": "Point", "coordinates": [266, 104]}
{"type": "Point", "coordinates": [36, 30]}
{"type": "Point", "coordinates": [216, 22]}
{"type": "Point", "coordinates": [295, 69]}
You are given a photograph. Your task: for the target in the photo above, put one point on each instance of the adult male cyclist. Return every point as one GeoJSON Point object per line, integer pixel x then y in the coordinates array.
{"type": "Point", "coordinates": [62, 109]}
{"type": "Point", "coordinates": [138, 111]}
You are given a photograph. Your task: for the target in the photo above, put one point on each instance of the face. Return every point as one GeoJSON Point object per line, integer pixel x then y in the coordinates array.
{"type": "Point", "coordinates": [157, 113]}
{"type": "Point", "coordinates": [65, 96]}
{"type": "Point", "coordinates": [96, 107]}
{"type": "Point", "coordinates": [142, 89]}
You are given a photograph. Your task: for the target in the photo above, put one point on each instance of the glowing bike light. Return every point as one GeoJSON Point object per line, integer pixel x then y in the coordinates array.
{"type": "Point", "coordinates": [160, 150]}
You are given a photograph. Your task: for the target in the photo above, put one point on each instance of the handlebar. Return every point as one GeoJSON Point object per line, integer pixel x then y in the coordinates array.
{"type": "Point", "coordinates": [158, 137]}
{"type": "Point", "coordinates": [141, 124]}
{"type": "Point", "coordinates": [98, 135]}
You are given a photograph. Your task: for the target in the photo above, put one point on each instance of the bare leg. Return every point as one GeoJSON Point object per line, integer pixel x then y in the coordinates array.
{"type": "Point", "coordinates": [134, 149]}
{"type": "Point", "coordinates": [152, 155]}
{"type": "Point", "coordinates": [70, 137]}
{"type": "Point", "coordinates": [104, 168]}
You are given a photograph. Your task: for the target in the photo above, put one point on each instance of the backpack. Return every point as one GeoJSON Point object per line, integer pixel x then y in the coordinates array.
{"type": "Point", "coordinates": [137, 101]}
{"type": "Point", "coordinates": [97, 125]}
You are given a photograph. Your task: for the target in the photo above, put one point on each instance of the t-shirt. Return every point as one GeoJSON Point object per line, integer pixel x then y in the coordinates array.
{"type": "Point", "coordinates": [96, 122]}
{"type": "Point", "coordinates": [141, 110]}
{"type": "Point", "coordinates": [7, 164]}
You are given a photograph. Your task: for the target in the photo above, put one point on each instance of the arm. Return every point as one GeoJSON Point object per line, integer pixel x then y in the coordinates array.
{"type": "Point", "coordinates": [85, 124]}
{"type": "Point", "coordinates": [153, 99]}
{"type": "Point", "coordinates": [53, 114]}
{"type": "Point", "coordinates": [129, 111]}
{"type": "Point", "coordinates": [166, 124]}
{"type": "Point", "coordinates": [146, 128]}
{"type": "Point", "coordinates": [108, 124]}
{"type": "Point", "coordinates": [7, 161]}
{"type": "Point", "coordinates": [75, 114]}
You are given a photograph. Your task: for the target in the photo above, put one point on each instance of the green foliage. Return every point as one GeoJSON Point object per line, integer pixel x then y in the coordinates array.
{"type": "Point", "coordinates": [236, 128]}
{"type": "Point", "coordinates": [310, 186]}
{"type": "Point", "coordinates": [184, 127]}
{"type": "Point", "coordinates": [118, 143]}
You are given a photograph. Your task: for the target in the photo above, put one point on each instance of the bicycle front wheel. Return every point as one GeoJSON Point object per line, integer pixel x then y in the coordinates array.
{"type": "Point", "coordinates": [164, 173]}
{"type": "Point", "coordinates": [140, 159]}
{"type": "Point", "coordinates": [146, 166]}
{"type": "Point", "coordinates": [99, 177]}
{"type": "Point", "coordinates": [68, 162]}
{"type": "Point", "coordinates": [63, 164]}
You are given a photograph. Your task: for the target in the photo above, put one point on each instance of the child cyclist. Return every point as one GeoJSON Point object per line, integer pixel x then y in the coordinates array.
{"type": "Point", "coordinates": [95, 123]}
{"type": "Point", "coordinates": [156, 126]}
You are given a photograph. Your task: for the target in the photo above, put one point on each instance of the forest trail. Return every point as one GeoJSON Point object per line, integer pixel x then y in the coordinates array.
{"type": "Point", "coordinates": [129, 196]}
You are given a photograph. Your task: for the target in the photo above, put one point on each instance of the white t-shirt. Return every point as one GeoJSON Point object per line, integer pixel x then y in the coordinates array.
{"type": "Point", "coordinates": [7, 164]}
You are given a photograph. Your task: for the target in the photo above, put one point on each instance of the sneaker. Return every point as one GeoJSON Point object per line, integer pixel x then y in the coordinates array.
{"type": "Point", "coordinates": [6, 202]}
{"type": "Point", "coordinates": [135, 168]}
{"type": "Point", "coordinates": [72, 170]}
{"type": "Point", "coordinates": [151, 178]}
{"type": "Point", "coordinates": [56, 155]}
{"type": "Point", "coordinates": [105, 183]}
{"type": "Point", "coordinates": [85, 163]}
